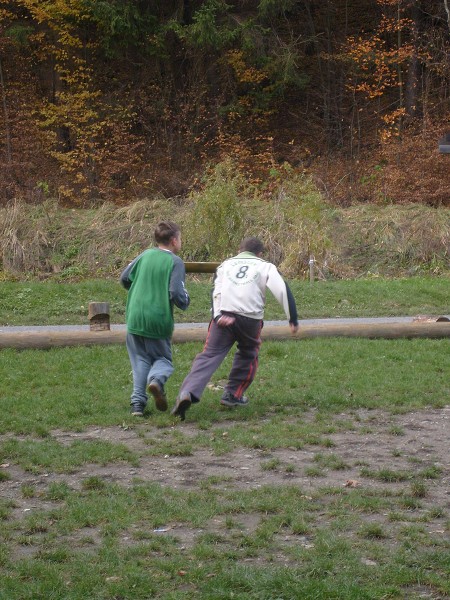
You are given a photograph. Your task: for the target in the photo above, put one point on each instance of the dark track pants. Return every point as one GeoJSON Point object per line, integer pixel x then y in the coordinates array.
{"type": "Point", "coordinates": [247, 333]}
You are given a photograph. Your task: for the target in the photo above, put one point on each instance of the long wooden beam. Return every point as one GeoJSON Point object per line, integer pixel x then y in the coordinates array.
{"type": "Point", "coordinates": [201, 267]}
{"type": "Point", "coordinates": [49, 339]}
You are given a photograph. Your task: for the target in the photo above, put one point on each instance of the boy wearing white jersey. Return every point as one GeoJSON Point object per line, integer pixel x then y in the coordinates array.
{"type": "Point", "coordinates": [238, 312]}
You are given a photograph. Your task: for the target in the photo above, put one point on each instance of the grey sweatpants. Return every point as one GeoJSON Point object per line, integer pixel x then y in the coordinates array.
{"type": "Point", "coordinates": [247, 333]}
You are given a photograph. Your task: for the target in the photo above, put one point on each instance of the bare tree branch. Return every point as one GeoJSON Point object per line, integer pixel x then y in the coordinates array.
{"type": "Point", "coordinates": [447, 10]}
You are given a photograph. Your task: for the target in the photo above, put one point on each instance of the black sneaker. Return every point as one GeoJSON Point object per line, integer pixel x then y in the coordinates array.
{"type": "Point", "coordinates": [229, 400]}
{"type": "Point", "coordinates": [182, 404]}
{"type": "Point", "coordinates": [137, 410]}
{"type": "Point", "coordinates": [156, 389]}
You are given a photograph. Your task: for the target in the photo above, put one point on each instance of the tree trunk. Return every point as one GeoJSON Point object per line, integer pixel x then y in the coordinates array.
{"type": "Point", "coordinates": [6, 118]}
{"type": "Point", "coordinates": [412, 80]}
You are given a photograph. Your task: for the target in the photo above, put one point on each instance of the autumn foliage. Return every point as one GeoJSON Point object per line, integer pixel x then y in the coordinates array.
{"type": "Point", "coordinates": [107, 100]}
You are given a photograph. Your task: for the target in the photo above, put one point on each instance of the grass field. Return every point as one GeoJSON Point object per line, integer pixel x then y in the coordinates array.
{"type": "Point", "coordinates": [50, 303]}
{"type": "Point", "coordinates": [332, 484]}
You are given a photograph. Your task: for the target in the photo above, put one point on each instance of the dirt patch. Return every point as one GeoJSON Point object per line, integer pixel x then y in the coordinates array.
{"type": "Point", "coordinates": [377, 441]}
{"type": "Point", "coordinates": [379, 454]}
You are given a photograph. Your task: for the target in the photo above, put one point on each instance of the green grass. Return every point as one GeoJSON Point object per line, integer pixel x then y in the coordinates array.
{"type": "Point", "coordinates": [79, 520]}
{"type": "Point", "coordinates": [50, 303]}
{"type": "Point", "coordinates": [113, 559]}
{"type": "Point", "coordinates": [77, 387]}
{"type": "Point", "coordinates": [41, 455]}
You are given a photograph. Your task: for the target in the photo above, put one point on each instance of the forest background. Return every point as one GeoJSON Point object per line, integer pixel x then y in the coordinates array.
{"type": "Point", "coordinates": [327, 113]}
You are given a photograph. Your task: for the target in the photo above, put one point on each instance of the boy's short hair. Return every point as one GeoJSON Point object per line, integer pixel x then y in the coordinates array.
{"type": "Point", "coordinates": [165, 231]}
{"type": "Point", "coordinates": [252, 244]}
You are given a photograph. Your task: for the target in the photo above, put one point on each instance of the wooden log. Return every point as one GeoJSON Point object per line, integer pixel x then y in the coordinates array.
{"type": "Point", "coordinates": [44, 340]}
{"type": "Point", "coordinates": [49, 339]}
{"type": "Point", "coordinates": [364, 330]}
{"type": "Point", "coordinates": [99, 316]}
{"type": "Point", "coordinates": [430, 319]}
{"type": "Point", "coordinates": [201, 267]}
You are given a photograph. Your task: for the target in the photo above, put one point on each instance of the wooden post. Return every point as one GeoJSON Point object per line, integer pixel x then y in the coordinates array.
{"type": "Point", "coordinates": [311, 269]}
{"type": "Point", "coordinates": [99, 316]}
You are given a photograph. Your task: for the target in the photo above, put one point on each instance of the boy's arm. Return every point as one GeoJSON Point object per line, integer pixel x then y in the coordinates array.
{"type": "Point", "coordinates": [283, 295]}
{"type": "Point", "coordinates": [177, 292]}
{"type": "Point", "coordinates": [217, 293]}
{"type": "Point", "coordinates": [293, 321]}
{"type": "Point", "coordinates": [124, 278]}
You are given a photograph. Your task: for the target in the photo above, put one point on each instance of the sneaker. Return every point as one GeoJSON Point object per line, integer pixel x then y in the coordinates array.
{"type": "Point", "coordinates": [182, 404]}
{"type": "Point", "coordinates": [156, 389]}
{"type": "Point", "coordinates": [229, 400]}
{"type": "Point", "coordinates": [137, 410]}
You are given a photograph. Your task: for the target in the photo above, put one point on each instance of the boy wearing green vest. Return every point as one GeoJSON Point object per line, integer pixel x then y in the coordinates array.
{"type": "Point", "coordinates": [155, 282]}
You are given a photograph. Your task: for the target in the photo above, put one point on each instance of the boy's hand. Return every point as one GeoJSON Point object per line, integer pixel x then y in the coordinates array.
{"type": "Point", "coordinates": [225, 320]}
{"type": "Point", "coordinates": [294, 328]}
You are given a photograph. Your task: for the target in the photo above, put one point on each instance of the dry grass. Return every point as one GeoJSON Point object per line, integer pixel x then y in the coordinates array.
{"type": "Point", "coordinates": [46, 240]}
{"type": "Point", "coordinates": [391, 240]}
{"type": "Point", "coordinates": [24, 240]}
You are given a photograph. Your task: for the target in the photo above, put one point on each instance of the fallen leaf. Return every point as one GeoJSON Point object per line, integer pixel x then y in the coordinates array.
{"type": "Point", "coordinates": [351, 483]}
{"type": "Point", "coordinates": [370, 563]}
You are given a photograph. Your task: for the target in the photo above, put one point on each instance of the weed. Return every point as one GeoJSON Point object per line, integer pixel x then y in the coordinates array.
{"type": "Point", "coordinates": [436, 513]}
{"type": "Point", "coordinates": [395, 430]}
{"type": "Point", "coordinates": [373, 531]}
{"type": "Point", "coordinates": [314, 472]}
{"type": "Point", "coordinates": [93, 483]}
{"type": "Point", "coordinates": [418, 489]}
{"type": "Point", "coordinates": [432, 472]}
{"type": "Point", "coordinates": [270, 465]}
{"type": "Point", "coordinates": [58, 491]}
{"type": "Point", "coordinates": [331, 461]}
{"type": "Point", "coordinates": [6, 507]}
{"type": "Point", "coordinates": [386, 475]}
{"type": "Point", "coordinates": [28, 491]}
{"type": "Point", "coordinates": [410, 503]}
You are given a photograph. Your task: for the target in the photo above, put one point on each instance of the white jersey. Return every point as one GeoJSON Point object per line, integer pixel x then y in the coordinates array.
{"type": "Point", "coordinates": [240, 287]}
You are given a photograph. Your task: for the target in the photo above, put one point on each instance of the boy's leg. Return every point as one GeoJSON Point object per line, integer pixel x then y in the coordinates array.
{"type": "Point", "coordinates": [140, 366]}
{"type": "Point", "coordinates": [245, 361]}
{"type": "Point", "coordinates": [217, 345]}
{"type": "Point", "coordinates": [160, 353]}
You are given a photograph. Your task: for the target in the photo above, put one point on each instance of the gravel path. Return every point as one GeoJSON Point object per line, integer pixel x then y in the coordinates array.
{"type": "Point", "coordinates": [340, 320]}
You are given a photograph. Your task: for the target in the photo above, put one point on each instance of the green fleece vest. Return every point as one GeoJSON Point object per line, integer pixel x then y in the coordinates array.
{"type": "Point", "coordinates": [149, 311]}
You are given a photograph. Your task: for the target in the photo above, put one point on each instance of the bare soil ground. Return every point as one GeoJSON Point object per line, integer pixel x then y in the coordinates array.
{"type": "Point", "coordinates": [412, 443]}
{"type": "Point", "coordinates": [408, 442]}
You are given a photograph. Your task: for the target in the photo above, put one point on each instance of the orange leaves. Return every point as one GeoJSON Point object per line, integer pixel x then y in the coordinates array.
{"type": "Point", "coordinates": [391, 121]}
{"type": "Point", "coordinates": [244, 73]}
{"type": "Point", "coordinates": [393, 116]}
{"type": "Point", "coordinates": [377, 65]}
{"type": "Point", "coordinates": [382, 60]}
